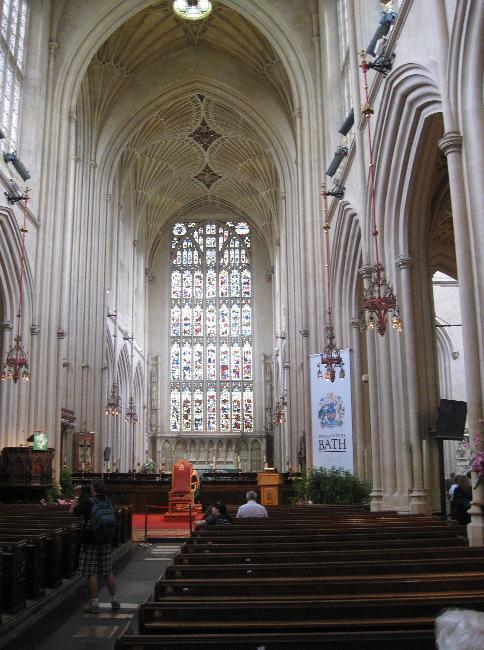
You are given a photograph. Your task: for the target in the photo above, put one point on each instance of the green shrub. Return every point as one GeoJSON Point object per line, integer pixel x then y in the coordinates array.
{"type": "Point", "coordinates": [334, 485]}
{"type": "Point", "coordinates": [53, 493]}
{"type": "Point", "coordinates": [65, 480]}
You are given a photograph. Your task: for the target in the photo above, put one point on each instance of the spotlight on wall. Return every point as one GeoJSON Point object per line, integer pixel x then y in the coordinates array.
{"type": "Point", "coordinates": [344, 129]}
{"type": "Point", "coordinates": [16, 194]}
{"type": "Point", "coordinates": [340, 153]}
{"type": "Point", "coordinates": [386, 21]}
{"type": "Point", "coordinates": [338, 190]}
{"type": "Point", "coordinates": [382, 64]}
{"type": "Point", "coordinates": [18, 164]}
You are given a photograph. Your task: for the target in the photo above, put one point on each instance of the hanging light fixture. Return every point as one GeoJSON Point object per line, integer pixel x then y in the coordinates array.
{"type": "Point", "coordinates": [17, 364]}
{"type": "Point", "coordinates": [113, 406]}
{"type": "Point", "coordinates": [131, 416]}
{"type": "Point", "coordinates": [192, 9]}
{"type": "Point", "coordinates": [331, 358]}
{"type": "Point", "coordinates": [379, 299]}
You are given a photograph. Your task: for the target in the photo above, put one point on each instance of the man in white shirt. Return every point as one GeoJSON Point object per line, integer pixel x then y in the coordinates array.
{"type": "Point", "coordinates": [251, 508]}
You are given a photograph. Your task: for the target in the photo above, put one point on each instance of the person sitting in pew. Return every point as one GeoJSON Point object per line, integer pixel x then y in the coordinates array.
{"type": "Point", "coordinates": [216, 515]}
{"type": "Point", "coordinates": [459, 628]}
{"type": "Point", "coordinates": [251, 509]}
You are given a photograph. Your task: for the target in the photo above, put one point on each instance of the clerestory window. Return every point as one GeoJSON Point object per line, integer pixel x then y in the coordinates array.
{"type": "Point", "coordinates": [13, 31]}
{"type": "Point", "coordinates": [211, 329]}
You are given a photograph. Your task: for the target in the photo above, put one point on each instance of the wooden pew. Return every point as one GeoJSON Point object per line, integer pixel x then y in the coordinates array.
{"type": "Point", "coordinates": [351, 566]}
{"type": "Point", "coordinates": [301, 586]}
{"type": "Point", "coordinates": [35, 560]}
{"type": "Point", "coordinates": [335, 546]}
{"type": "Point", "coordinates": [53, 548]}
{"type": "Point", "coordinates": [338, 613]}
{"type": "Point", "coordinates": [318, 537]}
{"type": "Point", "coordinates": [298, 557]}
{"type": "Point", "coordinates": [41, 512]}
{"type": "Point", "coordinates": [13, 575]}
{"type": "Point", "coordinates": [397, 639]}
{"type": "Point", "coordinates": [329, 579]}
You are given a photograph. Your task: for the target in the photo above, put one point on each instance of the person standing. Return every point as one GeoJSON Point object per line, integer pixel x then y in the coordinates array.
{"type": "Point", "coordinates": [95, 557]}
{"type": "Point", "coordinates": [461, 500]}
{"type": "Point", "coordinates": [251, 509]}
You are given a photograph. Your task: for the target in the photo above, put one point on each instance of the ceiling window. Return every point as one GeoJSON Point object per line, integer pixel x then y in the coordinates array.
{"type": "Point", "coordinates": [13, 30]}
{"type": "Point", "coordinates": [344, 54]}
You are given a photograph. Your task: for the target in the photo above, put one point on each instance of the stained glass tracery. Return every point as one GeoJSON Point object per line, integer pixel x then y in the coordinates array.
{"type": "Point", "coordinates": [211, 328]}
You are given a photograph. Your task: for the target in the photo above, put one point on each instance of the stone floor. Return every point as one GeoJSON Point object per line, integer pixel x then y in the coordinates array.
{"type": "Point", "coordinates": [67, 626]}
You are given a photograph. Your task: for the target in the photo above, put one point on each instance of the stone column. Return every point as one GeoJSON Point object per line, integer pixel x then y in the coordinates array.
{"type": "Point", "coordinates": [358, 415]}
{"type": "Point", "coordinates": [376, 459]}
{"type": "Point", "coordinates": [6, 328]}
{"type": "Point", "coordinates": [418, 497]}
{"type": "Point", "coordinates": [451, 145]}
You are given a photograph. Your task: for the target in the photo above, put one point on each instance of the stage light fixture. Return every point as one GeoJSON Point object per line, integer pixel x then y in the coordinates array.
{"type": "Point", "coordinates": [339, 154]}
{"type": "Point", "coordinates": [345, 128]}
{"type": "Point", "coordinates": [18, 164]}
{"type": "Point", "coordinates": [386, 21]}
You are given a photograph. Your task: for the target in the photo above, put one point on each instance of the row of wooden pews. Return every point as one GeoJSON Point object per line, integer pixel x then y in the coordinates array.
{"type": "Point", "coordinates": [312, 577]}
{"type": "Point", "coordinates": [39, 547]}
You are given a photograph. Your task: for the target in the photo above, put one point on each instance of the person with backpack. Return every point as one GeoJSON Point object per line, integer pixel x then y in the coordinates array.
{"type": "Point", "coordinates": [97, 536]}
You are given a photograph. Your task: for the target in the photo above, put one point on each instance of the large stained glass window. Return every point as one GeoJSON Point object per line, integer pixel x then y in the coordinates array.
{"type": "Point", "coordinates": [211, 329]}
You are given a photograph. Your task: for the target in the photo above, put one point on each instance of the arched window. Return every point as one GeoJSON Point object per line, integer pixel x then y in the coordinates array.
{"type": "Point", "coordinates": [13, 30]}
{"type": "Point", "coordinates": [211, 329]}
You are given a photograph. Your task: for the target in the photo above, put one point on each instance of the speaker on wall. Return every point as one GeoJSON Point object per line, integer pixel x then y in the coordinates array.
{"type": "Point", "coordinates": [107, 453]}
{"type": "Point", "coordinates": [451, 419]}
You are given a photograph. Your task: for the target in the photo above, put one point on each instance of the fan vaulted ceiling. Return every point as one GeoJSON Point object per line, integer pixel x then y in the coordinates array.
{"type": "Point", "coordinates": [196, 152]}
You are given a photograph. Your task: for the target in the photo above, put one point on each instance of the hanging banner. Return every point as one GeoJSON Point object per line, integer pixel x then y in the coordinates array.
{"type": "Point", "coordinates": [331, 417]}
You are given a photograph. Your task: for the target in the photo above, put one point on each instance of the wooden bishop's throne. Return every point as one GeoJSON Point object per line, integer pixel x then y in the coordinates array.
{"type": "Point", "coordinates": [184, 484]}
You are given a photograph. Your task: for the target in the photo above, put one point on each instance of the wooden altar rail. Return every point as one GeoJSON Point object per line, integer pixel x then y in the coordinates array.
{"type": "Point", "coordinates": [139, 490]}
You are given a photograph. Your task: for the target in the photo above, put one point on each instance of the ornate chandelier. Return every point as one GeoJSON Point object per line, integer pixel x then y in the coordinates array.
{"type": "Point", "coordinates": [17, 364]}
{"type": "Point", "coordinates": [330, 358]}
{"type": "Point", "coordinates": [131, 416]}
{"type": "Point", "coordinates": [113, 406]}
{"type": "Point", "coordinates": [379, 299]}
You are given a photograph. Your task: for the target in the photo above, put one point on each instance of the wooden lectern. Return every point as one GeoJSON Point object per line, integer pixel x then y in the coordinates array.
{"type": "Point", "coordinates": [269, 482]}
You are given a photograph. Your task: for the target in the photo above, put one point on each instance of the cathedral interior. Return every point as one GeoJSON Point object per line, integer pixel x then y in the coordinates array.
{"type": "Point", "coordinates": [175, 248]}
{"type": "Point", "coordinates": [215, 209]}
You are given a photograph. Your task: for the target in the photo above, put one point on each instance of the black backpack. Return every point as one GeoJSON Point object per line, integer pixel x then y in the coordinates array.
{"type": "Point", "coordinates": [102, 527]}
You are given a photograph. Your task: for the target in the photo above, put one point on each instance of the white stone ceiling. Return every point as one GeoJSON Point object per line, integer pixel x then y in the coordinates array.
{"type": "Point", "coordinates": [197, 152]}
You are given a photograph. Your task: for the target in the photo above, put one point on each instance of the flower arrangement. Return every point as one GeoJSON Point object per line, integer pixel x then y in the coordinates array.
{"type": "Point", "coordinates": [477, 459]}
{"type": "Point", "coordinates": [149, 466]}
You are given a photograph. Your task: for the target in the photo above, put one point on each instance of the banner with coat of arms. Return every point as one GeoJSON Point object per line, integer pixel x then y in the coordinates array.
{"type": "Point", "coordinates": [331, 417]}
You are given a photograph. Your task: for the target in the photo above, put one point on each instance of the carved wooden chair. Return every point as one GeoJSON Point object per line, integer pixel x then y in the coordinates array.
{"type": "Point", "coordinates": [181, 494]}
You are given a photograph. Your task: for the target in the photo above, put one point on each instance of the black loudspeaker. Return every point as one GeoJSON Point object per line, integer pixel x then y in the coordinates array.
{"type": "Point", "coordinates": [451, 420]}
{"type": "Point", "coordinates": [107, 453]}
